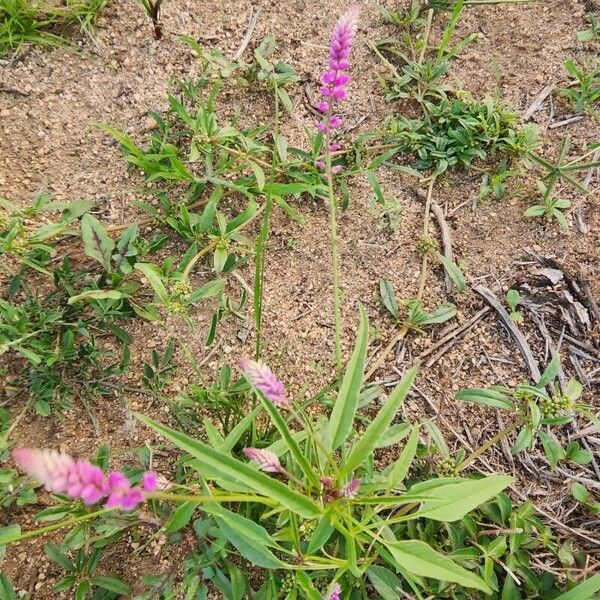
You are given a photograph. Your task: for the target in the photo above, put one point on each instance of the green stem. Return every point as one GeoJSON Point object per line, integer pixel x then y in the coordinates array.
{"type": "Point", "coordinates": [54, 527]}
{"type": "Point", "coordinates": [261, 242]}
{"type": "Point", "coordinates": [217, 498]}
{"type": "Point", "coordinates": [335, 260]}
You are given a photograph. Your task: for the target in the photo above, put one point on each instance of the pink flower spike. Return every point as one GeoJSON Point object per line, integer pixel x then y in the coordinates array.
{"type": "Point", "coordinates": [262, 378]}
{"type": "Point", "coordinates": [335, 121]}
{"type": "Point", "coordinates": [61, 474]}
{"type": "Point", "coordinates": [335, 147]}
{"type": "Point", "coordinates": [323, 106]}
{"type": "Point", "coordinates": [149, 482]}
{"type": "Point", "coordinates": [320, 165]}
{"type": "Point", "coordinates": [351, 488]}
{"type": "Point", "coordinates": [328, 77]}
{"type": "Point", "coordinates": [335, 593]}
{"type": "Point", "coordinates": [120, 493]}
{"type": "Point", "coordinates": [266, 461]}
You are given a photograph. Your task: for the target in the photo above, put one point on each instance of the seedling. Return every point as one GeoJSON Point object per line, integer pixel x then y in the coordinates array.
{"type": "Point", "coordinates": [513, 299]}
{"type": "Point", "coordinates": [585, 93]}
{"type": "Point", "coordinates": [592, 34]}
{"type": "Point", "coordinates": [152, 10]}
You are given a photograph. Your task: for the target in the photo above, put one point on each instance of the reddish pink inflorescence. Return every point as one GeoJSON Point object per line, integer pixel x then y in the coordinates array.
{"type": "Point", "coordinates": [267, 461]}
{"type": "Point", "coordinates": [81, 479]}
{"type": "Point", "coordinates": [335, 79]}
{"type": "Point", "coordinates": [263, 379]}
{"type": "Point", "coordinates": [335, 593]}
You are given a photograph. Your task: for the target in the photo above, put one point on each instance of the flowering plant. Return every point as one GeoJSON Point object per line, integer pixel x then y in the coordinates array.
{"type": "Point", "coordinates": [316, 501]}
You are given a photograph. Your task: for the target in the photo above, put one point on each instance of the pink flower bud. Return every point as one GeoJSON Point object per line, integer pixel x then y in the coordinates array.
{"type": "Point", "coordinates": [323, 106]}
{"type": "Point", "coordinates": [351, 488]}
{"type": "Point", "coordinates": [320, 165]}
{"type": "Point", "coordinates": [149, 482]}
{"type": "Point", "coordinates": [338, 93]}
{"type": "Point", "coordinates": [335, 593]}
{"type": "Point", "coordinates": [266, 461]}
{"type": "Point", "coordinates": [335, 121]}
{"type": "Point", "coordinates": [262, 378]}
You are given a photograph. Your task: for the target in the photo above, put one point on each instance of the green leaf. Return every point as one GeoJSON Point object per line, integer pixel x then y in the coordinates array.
{"type": "Point", "coordinates": [524, 440]}
{"type": "Point", "coordinates": [7, 592]}
{"type": "Point", "coordinates": [451, 502]}
{"type": "Point", "coordinates": [243, 538]}
{"type": "Point", "coordinates": [513, 299]}
{"type": "Point", "coordinates": [402, 465]}
{"type": "Point", "coordinates": [259, 174]}
{"type": "Point", "coordinates": [344, 409]}
{"type": "Point", "coordinates": [97, 295]}
{"type": "Point", "coordinates": [388, 297]}
{"type": "Point", "coordinates": [552, 449]}
{"type": "Point", "coordinates": [437, 437]}
{"type": "Point", "coordinates": [488, 397]}
{"type": "Point", "coordinates": [550, 372]}
{"type": "Point", "coordinates": [54, 552]}
{"type": "Point", "coordinates": [96, 243]}
{"type": "Point", "coordinates": [439, 315]}
{"type": "Point", "coordinates": [368, 442]}
{"type": "Point", "coordinates": [418, 558]}
{"type": "Point", "coordinates": [454, 272]}
{"type": "Point", "coordinates": [386, 583]}
{"type": "Point", "coordinates": [112, 585]}
{"type": "Point", "coordinates": [9, 534]}
{"type": "Point", "coordinates": [579, 492]}
{"type": "Point", "coordinates": [83, 589]}
{"type": "Point", "coordinates": [180, 517]}
{"type": "Point", "coordinates": [577, 454]}
{"type": "Point", "coordinates": [236, 433]}
{"type": "Point", "coordinates": [208, 290]}
{"type": "Point", "coordinates": [322, 533]}
{"type": "Point", "coordinates": [285, 433]}
{"type": "Point", "coordinates": [245, 527]}
{"type": "Point", "coordinates": [153, 276]}
{"type": "Point", "coordinates": [583, 591]}
{"type": "Point", "coordinates": [573, 389]}
{"type": "Point", "coordinates": [237, 470]}
{"type": "Point", "coordinates": [537, 210]}
{"type": "Point", "coordinates": [307, 586]}
{"type": "Point", "coordinates": [372, 179]}
{"type": "Point", "coordinates": [393, 435]}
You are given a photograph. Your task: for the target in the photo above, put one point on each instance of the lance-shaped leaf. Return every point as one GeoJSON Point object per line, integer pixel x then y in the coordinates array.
{"type": "Point", "coordinates": [488, 397]}
{"type": "Point", "coordinates": [418, 558]}
{"type": "Point", "coordinates": [234, 469]}
{"type": "Point", "coordinates": [583, 591]}
{"type": "Point", "coordinates": [292, 444]}
{"type": "Point", "coordinates": [96, 243]}
{"type": "Point", "coordinates": [451, 502]}
{"type": "Point", "coordinates": [251, 539]}
{"type": "Point", "coordinates": [342, 416]}
{"type": "Point", "coordinates": [153, 276]}
{"type": "Point", "coordinates": [400, 468]}
{"type": "Point", "coordinates": [368, 442]}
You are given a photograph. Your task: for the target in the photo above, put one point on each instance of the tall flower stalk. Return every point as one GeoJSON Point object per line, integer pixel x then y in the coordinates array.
{"type": "Point", "coordinates": [334, 81]}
